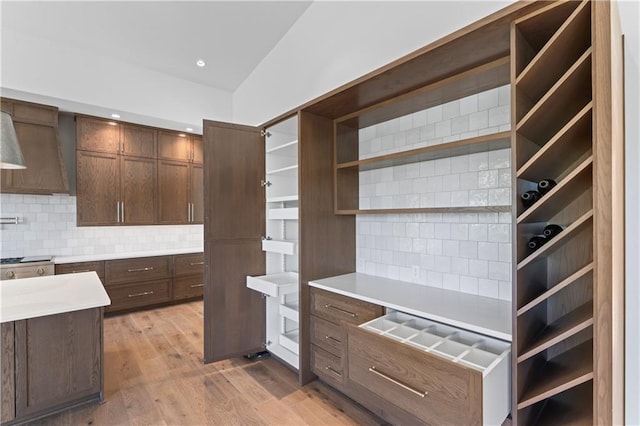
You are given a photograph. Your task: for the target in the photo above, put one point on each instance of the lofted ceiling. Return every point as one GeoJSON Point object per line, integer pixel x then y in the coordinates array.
{"type": "Point", "coordinates": [164, 36]}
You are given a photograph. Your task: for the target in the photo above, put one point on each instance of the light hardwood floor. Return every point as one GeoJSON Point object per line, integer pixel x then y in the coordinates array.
{"type": "Point", "coordinates": [154, 375]}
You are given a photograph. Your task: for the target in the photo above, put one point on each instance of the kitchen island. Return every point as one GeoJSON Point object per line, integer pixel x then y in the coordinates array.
{"type": "Point", "coordinates": [51, 353]}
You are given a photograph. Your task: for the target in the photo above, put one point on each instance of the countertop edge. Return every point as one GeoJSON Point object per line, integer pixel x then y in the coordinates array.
{"type": "Point", "coordinates": [61, 260]}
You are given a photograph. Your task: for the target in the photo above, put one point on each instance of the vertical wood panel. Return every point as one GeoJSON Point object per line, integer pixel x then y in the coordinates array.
{"type": "Point", "coordinates": [98, 188]}
{"type": "Point", "coordinates": [138, 190]}
{"type": "Point", "coordinates": [327, 241]}
{"type": "Point", "coordinates": [7, 372]}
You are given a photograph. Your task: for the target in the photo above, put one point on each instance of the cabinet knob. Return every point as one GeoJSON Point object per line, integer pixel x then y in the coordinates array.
{"type": "Point", "coordinates": [10, 274]}
{"type": "Point", "coordinates": [40, 271]}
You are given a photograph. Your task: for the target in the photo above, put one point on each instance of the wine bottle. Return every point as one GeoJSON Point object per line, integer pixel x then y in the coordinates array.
{"type": "Point", "coordinates": [545, 185]}
{"type": "Point", "coordinates": [529, 198]}
{"type": "Point", "coordinates": [537, 241]}
{"type": "Point", "coordinates": [552, 230]}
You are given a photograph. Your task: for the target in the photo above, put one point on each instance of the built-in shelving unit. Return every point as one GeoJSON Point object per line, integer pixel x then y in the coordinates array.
{"type": "Point", "coordinates": [554, 298]}
{"type": "Point", "coordinates": [281, 283]}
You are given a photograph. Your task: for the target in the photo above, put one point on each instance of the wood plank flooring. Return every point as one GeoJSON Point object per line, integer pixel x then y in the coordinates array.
{"type": "Point", "coordinates": [154, 375]}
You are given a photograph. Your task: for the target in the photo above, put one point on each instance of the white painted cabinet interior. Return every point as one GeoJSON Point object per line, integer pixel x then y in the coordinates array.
{"type": "Point", "coordinates": [280, 284]}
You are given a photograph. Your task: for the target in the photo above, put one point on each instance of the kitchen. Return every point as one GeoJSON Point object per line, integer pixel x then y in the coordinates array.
{"type": "Point", "coordinates": [127, 240]}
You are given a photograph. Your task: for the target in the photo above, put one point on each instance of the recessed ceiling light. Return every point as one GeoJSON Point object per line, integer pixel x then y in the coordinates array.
{"type": "Point", "coordinates": [182, 135]}
{"type": "Point", "coordinates": [200, 63]}
{"type": "Point", "coordinates": [114, 115]}
{"type": "Point", "coordinates": [189, 129]}
{"type": "Point", "coordinates": [111, 123]}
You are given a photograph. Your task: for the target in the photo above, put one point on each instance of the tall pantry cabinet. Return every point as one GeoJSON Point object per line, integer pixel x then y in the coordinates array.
{"type": "Point", "coordinates": [563, 62]}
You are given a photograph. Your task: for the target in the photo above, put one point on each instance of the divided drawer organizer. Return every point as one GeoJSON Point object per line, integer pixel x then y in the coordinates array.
{"type": "Point", "coordinates": [438, 373]}
{"type": "Point", "coordinates": [280, 244]}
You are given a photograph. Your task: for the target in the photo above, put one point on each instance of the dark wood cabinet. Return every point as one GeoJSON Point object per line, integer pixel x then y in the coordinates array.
{"type": "Point", "coordinates": [188, 280]}
{"type": "Point", "coordinates": [37, 131]}
{"type": "Point", "coordinates": [173, 193]}
{"type": "Point", "coordinates": [7, 372]}
{"type": "Point", "coordinates": [116, 173]}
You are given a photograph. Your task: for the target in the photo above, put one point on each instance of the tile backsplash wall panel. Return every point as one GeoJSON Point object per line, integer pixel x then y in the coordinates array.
{"type": "Point", "coordinates": [467, 252]}
{"type": "Point", "coordinates": [48, 227]}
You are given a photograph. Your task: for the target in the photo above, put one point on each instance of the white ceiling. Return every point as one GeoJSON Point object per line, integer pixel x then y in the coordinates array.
{"type": "Point", "coordinates": [165, 36]}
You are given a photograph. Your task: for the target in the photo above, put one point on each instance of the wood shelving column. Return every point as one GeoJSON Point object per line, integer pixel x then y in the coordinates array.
{"type": "Point", "coordinates": [563, 291]}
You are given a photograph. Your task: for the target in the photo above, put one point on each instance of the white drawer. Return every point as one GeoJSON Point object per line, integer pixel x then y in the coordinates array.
{"type": "Point", "coordinates": [280, 246]}
{"type": "Point", "coordinates": [274, 285]}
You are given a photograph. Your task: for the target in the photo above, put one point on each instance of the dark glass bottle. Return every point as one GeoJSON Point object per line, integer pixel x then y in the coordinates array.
{"type": "Point", "coordinates": [552, 230]}
{"type": "Point", "coordinates": [529, 198]}
{"type": "Point", "coordinates": [537, 241]}
{"type": "Point", "coordinates": [545, 185]}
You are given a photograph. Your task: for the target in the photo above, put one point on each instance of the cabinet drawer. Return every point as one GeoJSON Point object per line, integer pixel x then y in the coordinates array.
{"type": "Point", "coordinates": [127, 296]}
{"type": "Point", "coordinates": [435, 390]}
{"type": "Point", "coordinates": [189, 264]}
{"type": "Point", "coordinates": [336, 308]}
{"type": "Point", "coordinates": [327, 366]}
{"type": "Point", "coordinates": [74, 268]}
{"type": "Point", "coordinates": [188, 287]}
{"type": "Point", "coordinates": [328, 336]}
{"type": "Point", "coordinates": [138, 269]}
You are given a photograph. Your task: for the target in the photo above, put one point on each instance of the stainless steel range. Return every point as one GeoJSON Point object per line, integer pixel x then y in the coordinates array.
{"type": "Point", "coordinates": [25, 267]}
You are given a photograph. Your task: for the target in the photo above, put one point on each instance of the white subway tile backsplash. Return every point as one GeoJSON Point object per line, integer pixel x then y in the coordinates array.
{"type": "Point", "coordinates": [489, 99]}
{"type": "Point", "coordinates": [488, 288]}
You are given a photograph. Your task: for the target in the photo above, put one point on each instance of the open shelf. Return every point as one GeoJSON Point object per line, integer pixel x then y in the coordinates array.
{"type": "Point", "coordinates": [484, 143]}
{"type": "Point", "coordinates": [570, 408]}
{"type": "Point", "coordinates": [280, 246]}
{"type": "Point", "coordinates": [291, 341]}
{"type": "Point", "coordinates": [290, 310]}
{"type": "Point", "coordinates": [557, 242]}
{"type": "Point", "coordinates": [558, 54]}
{"type": "Point", "coordinates": [568, 96]}
{"type": "Point", "coordinates": [572, 186]}
{"type": "Point", "coordinates": [567, 146]}
{"type": "Point", "coordinates": [563, 372]}
{"type": "Point", "coordinates": [287, 213]}
{"type": "Point", "coordinates": [288, 149]}
{"type": "Point", "coordinates": [274, 285]}
{"type": "Point", "coordinates": [582, 272]}
{"type": "Point", "coordinates": [290, 170]}
{"type": "Point", "coordinates": [461, 209]}
{"type": "Point", "coordinates": [561, 329]}
{"type": "Point", "coordinates": [282, 199]}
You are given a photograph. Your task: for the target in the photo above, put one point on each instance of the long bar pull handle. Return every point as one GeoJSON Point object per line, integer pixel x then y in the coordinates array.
{"type": "Point", "coordinates": [196, 263]}
{"type": "Point", "coordinates": [404, 386]}
{"type": "Point", "coordinates": [149, 268]}
{"type": "Point", "coordinates": [117, 211]}
{"type": "Point", "coordinates": [81, 270]}
{"type": "Point", "coordinates": [342, 311]}
{"type": "Point", "coordinates": [144, 293]}
{"type": "Point", "coordinates": [122, 204]}
{"type": "Point", "coordinates": [332, 339]}
{"type": "Point", "coordinates": [333, 370]}
{"type": "Point", "coordinates": [196, 285]}
{"type": "Point", "coordinates": [188, 212]}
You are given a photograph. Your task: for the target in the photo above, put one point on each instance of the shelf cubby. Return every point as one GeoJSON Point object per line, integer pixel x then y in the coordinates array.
{"type": "Point", "coordinates": [289, 170]}
{"type": "Point", "coordinates": [290, 310]}
{"type": "Point", "coordinates": [552, 376]}
{"type": "Point", "coordinates": [571, 408]}
{"type": "Point", "coordinates": [291, 341]}
{"type": "Point", "coordinates": [282, 213]}
{"type": "Point", "coordinates": [562, 50]}
{"type": "Point", "coordinates": [287, 149]}
{"type": "Point", "coordinates": [563, 101]}
{"type": "Point", "coordinates": [282, 198]}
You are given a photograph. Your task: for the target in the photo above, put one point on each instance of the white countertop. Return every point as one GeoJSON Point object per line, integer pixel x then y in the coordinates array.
{"type": "Point", "coordinates": [40, 296]}
{"type": "Point", "coordinates": [125, 255]}
{"type": "Point", "coordinates": [484, 315]}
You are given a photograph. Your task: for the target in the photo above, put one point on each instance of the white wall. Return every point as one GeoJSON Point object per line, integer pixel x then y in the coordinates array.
{"type": "Point", "coordinates": [79, 80]}
{"type": "Point", "coordinates": [338, 41]}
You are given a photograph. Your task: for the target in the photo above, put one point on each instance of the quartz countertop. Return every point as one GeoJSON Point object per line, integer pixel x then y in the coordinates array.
{"type": "Point", "coordinates": [491, 317]}
{"type": "Point", "coordinates": [41, 296]}
{"type": "Point", "coordinates": [124, 255]}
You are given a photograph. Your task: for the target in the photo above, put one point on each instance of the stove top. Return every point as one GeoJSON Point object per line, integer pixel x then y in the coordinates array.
{"type": "Point", "coordinates": [10, 260]}
{"type": "Point", "coordinates": [27, 259]}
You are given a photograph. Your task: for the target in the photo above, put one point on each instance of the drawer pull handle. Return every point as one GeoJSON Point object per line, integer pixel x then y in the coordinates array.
{"type": "Point", "coordinates": [144, 293]}
{"type": "Point", "coordinates": [332, 338]}
{"type": "Point", "coordinates": [399, 383]}
{"type": "Point", "coordinates": [81, 270]}
{"type": "Point", "coordinates": [196, 263]}
{"type": "Point", "coordinates": [149, 268]}
{"type": "Point", "coordinates": [196, 285]}
{"type": "Point", "coordinates": [333, 370]}
{"type": "Point", "coordinates": [342, 311]}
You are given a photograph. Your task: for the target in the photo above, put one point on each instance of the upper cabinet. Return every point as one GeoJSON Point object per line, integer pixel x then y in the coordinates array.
{"type": "Point", "coordinates": [37, 131]}
{"type": "Point", "coordinates": [137, 175]}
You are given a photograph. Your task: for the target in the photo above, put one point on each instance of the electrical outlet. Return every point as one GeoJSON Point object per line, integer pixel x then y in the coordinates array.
{"type": "Point", "coordinates": [415, 273]}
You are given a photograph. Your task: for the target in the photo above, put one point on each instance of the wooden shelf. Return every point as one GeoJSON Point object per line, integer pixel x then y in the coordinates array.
{"type": "Point", "coordinates": [561, 373]}
{"type": "Point", "coordinates": [582, 272]}
{"type": "Point", "coordinates": [570, 41]}
{"type": "Point", "coordinates": [289, 149]}
{"type": "Point", "coordinates": [461, 209]}
{"type": "Point", "coordinates": [559, 330]}
{"type": "Point", "coordinates": [558, 240]}
{"type": "Point", "coordinates": [557, 155]}
{"type": "Point", "coordinates": [571, 408]}
{"type": "Point", "coordinates": [569, 95]}
{"type": "Point", "coordinates": [554, 201]}
{"type": "Point", "coordinates": [484, 143]}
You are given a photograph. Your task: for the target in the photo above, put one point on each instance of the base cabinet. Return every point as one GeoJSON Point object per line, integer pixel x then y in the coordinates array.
{"type": "Point", "coordinates": [52, 363]}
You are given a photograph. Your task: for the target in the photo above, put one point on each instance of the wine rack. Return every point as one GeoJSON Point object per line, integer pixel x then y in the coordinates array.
{"type": "Point", "coordinates": [553, 104]}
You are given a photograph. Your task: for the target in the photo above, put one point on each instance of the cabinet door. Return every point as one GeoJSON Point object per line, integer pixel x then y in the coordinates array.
{"type": "Point", "coordinates": [138, 141]}
{"type": "Point", "coordinates": [58, 360]}
{"type": "Point", "coordinates": [138, 190]}
{"type": "Point", "coordinates": [97, 135]}
{"type": "Point", "coordinates": [173, 197]}
{"type": "Point", "coordinates": [196, 193]}
{"type": "Point", "coordinates": [97, 186]}
{"type": "Point", "coordinates": [172, 146]}
{"type": "Point", "coordinates": [42, 156]}
{"type": "Point", "coordinates": [197, 153]}
{"type": "Point", "coordinates": [234, 316]}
